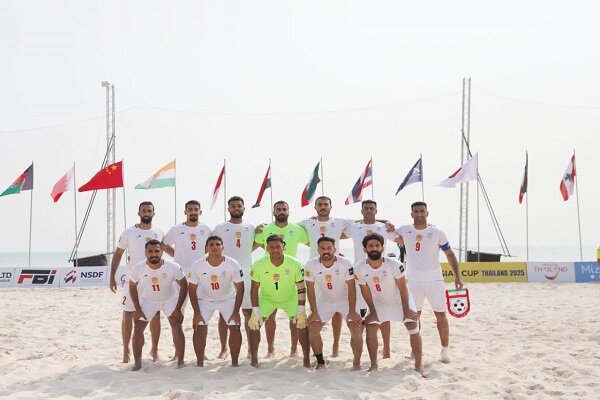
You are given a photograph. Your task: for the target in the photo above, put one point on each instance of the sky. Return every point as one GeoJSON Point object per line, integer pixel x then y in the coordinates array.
{"type": "Point", "coordinates": [296, 82]}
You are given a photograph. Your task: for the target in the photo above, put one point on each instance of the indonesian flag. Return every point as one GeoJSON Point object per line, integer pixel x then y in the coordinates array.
{"type": "Point", "coordinates": [265, 185]}
{"type": "Point", "coordinates": [217, 188]}
{"type": "Point", "coordinates": [567, 184]}
{"type": "Point", "coordinates": [364, 180]}
{"type": "Point", "coordinates": [466, 173]}
{"type": "Point", "coordinates": [64, 184]}
{"type": "Point", "coordinates": [109, 177]}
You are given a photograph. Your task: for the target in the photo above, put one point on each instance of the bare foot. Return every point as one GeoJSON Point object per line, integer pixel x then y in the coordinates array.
{"type": "Point", "coordinates": [421, 370]}
{"type": "Point", "coordinates": [154, 354]}
{"type": "Point", "coordinates": [335, 352]}
{"type": "Point", "coordinates": [126, 355]}
{"type": "Point", "coordinates": [234, 364]}
{"type": "Point", "coordinates": [137, 366]}
{"type": "Point", "coordinates": [254, 363]}
{"type": "Point", "coordinates": [180, 365]}
{"type": "Point", "coordinates": [306, 364]}
{"type": "Point", "coordinates": [271, 354]}
{"type": "Point", "coordinates": [294, 353]}
{"type": "Point", "coordinates": [174, 357]}
{"type": "Point", "coordinates": [200, 363]}
{"type": "Point", "coordinates": [374, 368]}
{"type": "Point", "coordinates": [323, 366]}
{"type": "Point", "coordinates": [385, 353]}
{"type": "Point", "coordinates": [355, 367]}
{"type": "Point", "coordinates": [223, 355]}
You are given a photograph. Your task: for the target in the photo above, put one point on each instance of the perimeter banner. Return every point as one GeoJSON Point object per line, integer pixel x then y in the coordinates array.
{"type": "Point", "coordinates": [7, 277]}
{"type": "Point", "coordinates": [487, 272]}
{"type": "Point", "coordinates": [587, 271]}
{"type": "Point", "coordinates": [551, 272]}
{"type": "Point", "coordinates": [84, 276]}
{"type": "Point", "coordinates": [37, 277]}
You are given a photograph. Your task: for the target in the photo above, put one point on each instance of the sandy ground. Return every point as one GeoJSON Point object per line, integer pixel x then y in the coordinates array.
{"type": "Point", "coordinates": [520, 341]}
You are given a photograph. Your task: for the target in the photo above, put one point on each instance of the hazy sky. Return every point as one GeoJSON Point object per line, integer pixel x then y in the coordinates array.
{"type": "Point", "coordinates": [296, 81]}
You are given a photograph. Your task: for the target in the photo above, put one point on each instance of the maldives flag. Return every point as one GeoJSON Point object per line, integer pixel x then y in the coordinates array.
{"type": "Point", "coordinates": [265, 185]}
{"type": "Point", "coordinates": [364, 180]}
{"type": "Point", "coordinates": [217, 188]}
{"type": "Point", "coordinates": [64, 184]}
{"type": "Point", "coordinates": [524, 182]}
{"type": "Point", "coordinates": [311, 186]}
{"type": "Point", "coordinates": [23, 182]}
{"type": "Point", "coordinates": [109, 177]}
{"type": "Point", "coordinates": [567, 184]}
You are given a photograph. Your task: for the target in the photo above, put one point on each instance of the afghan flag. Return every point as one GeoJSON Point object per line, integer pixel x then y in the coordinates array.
{"type": "Point", "coordinates": [265, 185]}
{"type": "Point", "coordinates": [164, 177]}
{"type": "Point", "coordinates": [64, 184]}
{"type": "Point", "coordinates": [567, 184]}
{"type": "Point", "coordinates": [109, 177]}
{"type": "Point", "coordinates": [311, 186]}
{"type": "Point", "coordinates": [524, 182]}
{"type": "Point", "coordinates": [23, 182]}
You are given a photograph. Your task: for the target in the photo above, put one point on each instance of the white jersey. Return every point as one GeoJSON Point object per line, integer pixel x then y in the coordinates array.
{"type": "Point", "coordinates": [189, 243]}
{"type": "Point", "coordinates": [382, 280]}
{"type": "Point", "coordinates": [330, 283]}
{"type": "Point", "coordinates": [215, 283]}
{"type": "Point", "coordinates": [422, 250]}
{"type": "Point", "coordinates": [238, 240]}
{"type": "Point", "coordinates": [133, 239]}
{"type": "Point", "coordinates": [333, 228]}
{"type": "Point", "coordinates": [156, 284]}
{"type": "Point", "coordinates": [357, 231]}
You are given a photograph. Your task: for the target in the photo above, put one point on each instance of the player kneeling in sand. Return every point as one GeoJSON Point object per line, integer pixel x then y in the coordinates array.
{"type": "Point", "coordinates": [155, 277]}
{"type": "Point", "coordinates": [333, 277]}
{"type": "Point", "coordinates": [216, 284]}
{"type": "Point", "coordinates": [277, 283]}
{"type": "Point", "coordinates": [383, 285]}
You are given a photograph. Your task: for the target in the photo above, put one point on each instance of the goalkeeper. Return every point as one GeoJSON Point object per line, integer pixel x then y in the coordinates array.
{"type": "Point", "coordinates": [277, 283]}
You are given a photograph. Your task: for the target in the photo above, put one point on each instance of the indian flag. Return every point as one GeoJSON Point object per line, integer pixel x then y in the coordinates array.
{"type": "Point", "coordinates": [164, 177]}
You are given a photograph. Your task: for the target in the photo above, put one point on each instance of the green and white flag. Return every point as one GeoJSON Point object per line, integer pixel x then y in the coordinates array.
{"type": "Point", "coordinates": [164, 177]}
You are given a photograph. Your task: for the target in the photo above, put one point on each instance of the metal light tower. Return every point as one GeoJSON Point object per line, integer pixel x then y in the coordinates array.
{"type": "Point", "coordinates": [111, 195]}
{"type": "Point", "coordinates": [464, 155]}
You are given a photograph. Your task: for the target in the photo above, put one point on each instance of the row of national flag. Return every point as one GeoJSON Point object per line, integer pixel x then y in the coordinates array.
{"type": "Point", "coordinates": [111, 176]}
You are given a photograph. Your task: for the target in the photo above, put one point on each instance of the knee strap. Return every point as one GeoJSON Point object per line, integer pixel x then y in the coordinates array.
{"type": "Point", "coordinates": [413, 331]}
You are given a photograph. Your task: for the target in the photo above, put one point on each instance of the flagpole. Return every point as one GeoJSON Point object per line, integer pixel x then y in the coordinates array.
{"type": "Point", "coordinates": [271, 188]}
{"type": "Point", "coordinates": [124, 203]}
{"type": "Point", "coordinates": [372, 180]}
{"type": "Point", "coordinates": [577, 195]}
{"type": "Point", "coordinates": [175, 190]}
{"type": "Point", "coordinates": [224, 190]}
{"type": "Point", "coordinates": [30, 221]}
{"type": "Point", "coordinates": [323, 176]}
{"type": "Point", "coordinates": [422, 185]}
{"type": "Point", "coordinates": [76, 261]}
{"type": "Point", "coordinates": [478, 249]}
{"type": "Point", "coordinates": [527, 205]}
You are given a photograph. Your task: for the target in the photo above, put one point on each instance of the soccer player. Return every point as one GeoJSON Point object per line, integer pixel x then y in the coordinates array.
{"type": "Point", "coordinates": [216, 284]}
{"type": "Point", "coordinates": [157, 277]}
{"type": "Point", "coordinates": [325, 225]}
{"type": "Point", "coordinates": [278, 283]}
{"type": "Point", "coordinates": [333, 277]}
{"type": "Point", "coordinates": [238, 242]}
{"type": "Point", "coordinates": [383, 285]}
{"type": "Point", "coordinates": [423, 243]}
{"type": "Point", "coordinates": [292, 235]}
{"type": "Point", "coordinates": [133, 240]}
{"type": "Point", "coordinates": [357, 231]}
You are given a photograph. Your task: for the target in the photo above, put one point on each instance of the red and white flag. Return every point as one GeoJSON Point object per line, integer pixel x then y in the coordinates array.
{"type": "Point", "coordinates": [64, 184]}
{"type": "Point", "coordinates": [215, 193]}
{"type": "Point", "coordinates": [466, 173]}
{"type": "Point", "coordinates": [567, 184]}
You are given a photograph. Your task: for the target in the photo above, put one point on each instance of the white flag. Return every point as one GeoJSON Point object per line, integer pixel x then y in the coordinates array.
{"type": "Point", "coordinates": [466, 173]}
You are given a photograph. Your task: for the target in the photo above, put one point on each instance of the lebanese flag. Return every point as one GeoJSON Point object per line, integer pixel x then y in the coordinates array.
{"type": "Point", "coordinates": [109, 177]}
{"type": "Point", "coordinates": [265, 185]}
{"type": "Point", "coordinates": [466, 173]}
{"type": "Point", "coordinates": [218, 185]}
{"type": "Point", "coordinates": [567, 184]}
{"type": "Point", "coordinates": [64, 184]}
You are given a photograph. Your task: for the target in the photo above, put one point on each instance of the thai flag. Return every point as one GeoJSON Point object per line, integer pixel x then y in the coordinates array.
{"type": "Point", "coordinates": [366, 179]}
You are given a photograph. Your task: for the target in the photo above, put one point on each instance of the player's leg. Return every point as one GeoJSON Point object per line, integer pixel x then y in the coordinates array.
{"type": "Point", "coordinates": [290, 310]}
{"type": "Point", "coordinates": [137, 343]}
{"type": "Point", "coordinates": [436, 295]}
{"type": "Point", "coordinates": [385, 329]}
{"type": "Point", "coordinates": [235, 343]}
{"type": "Point", "coordinates": [223, 331]}
{"type": "Point", "coordinates": [178, 340]}
{"type": "Point", "coordinates": [356, 342]}
{"type": "Point", "coordinates": [416, 344]}
{"type": "Point", "coordinates": [270, 327]}
{"type": "Point", "coordinates": [336, 325]}
{"type": "Point", "coordinates": [126, 330]}
{"type": "Point", "coordinates": [155, 336]}
{"type": "Point", "coordinates": [372, 345]}
{"type": "Point", "coordinates": [199, 340]}
{"type": "Point", "coordinates": [247, 314]}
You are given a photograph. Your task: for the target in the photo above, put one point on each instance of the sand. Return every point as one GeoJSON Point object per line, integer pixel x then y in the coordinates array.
{"type": "Point", "coordinates": [519, 341]}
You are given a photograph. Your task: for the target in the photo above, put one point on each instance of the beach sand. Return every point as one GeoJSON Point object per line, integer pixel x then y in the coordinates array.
{"type": "Point", "coordinates": [519, 341]}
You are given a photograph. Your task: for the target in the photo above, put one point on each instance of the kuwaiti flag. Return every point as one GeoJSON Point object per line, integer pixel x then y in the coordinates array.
{"type": "Point", "coordinates": [365, 179]}
{"type": "Point", "coordinates": [23, 182]}
{"type": "Point", "coordinates": [64, 184]}
{"type": "Point", "coordinates": [413, 176]}
{"type": "Point", "coordinates": [567, 184]}
{"type": "Point", "coordinates": [311, 186]}
{"type": "Point", "coordinates": [466, 173]}
{"type": "Point", "coordinates": [164, 177]}
{"type": "Point", "coordinates": [217, 188]}
{"type": "Point", "coordinates": [265, 185]}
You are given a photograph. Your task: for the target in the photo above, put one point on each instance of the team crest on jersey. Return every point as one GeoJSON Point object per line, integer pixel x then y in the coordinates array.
{"type": "Point", "coordinates": [287, 271]}
{"type": "Point", "coordinates": [328, 278]}
{"type": "Point", "coordinates": [214, 278]}
{"type": "Point", "coordinates": [369, 231]}
{"type": "Point", "coordinates": [351, 271]}
{"type": "Point", "coordinates": [376, 280]}
{"type": "Point", "coordinates": [418, 238]}
{"type": "Point", "coordinates": [322, 230]}
{"type": "Point", "coordinates": [276, 277]}
{"type": "Point", "coordinates": [193, 236]}
{"type": "Point", "coordinates": [154, 280]}
{"type": "Point", "coordinates": [238, 235]}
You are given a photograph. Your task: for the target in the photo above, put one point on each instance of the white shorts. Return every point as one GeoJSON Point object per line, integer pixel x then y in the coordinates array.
{"type": "Point", "coordinates": [177, 288]}
{"type": "Point", "coordinates": [150, 308]}
{"type": "Point", "coordinates": [393, 312]}
{"type": "Point", "coordinates": [224, 307]}
{"type": "Point", "coordinates": [125, 299]}
{"type": "Point", "coordinates": [246, 302]}
{"type": "Point", "coordinates": [326, 310]}
{"type": "Point", "coordinates": [434, 291]}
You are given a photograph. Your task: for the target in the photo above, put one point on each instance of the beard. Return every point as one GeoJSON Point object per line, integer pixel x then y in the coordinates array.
{"type": "Point", "coordinates": [374, 255]}
{"type": "Point", "coordinates": [326, 256]}
{"type": "Point", "coordinates": [236, 214]}
{"type": "Point", "coordinates": [154, 260]}
{"type": "Point", "coordinates": [193, 218]}
{"type": "Point", "coordinates": [281, 218]}
{"type": "Point", "coordinates": [146, 219]}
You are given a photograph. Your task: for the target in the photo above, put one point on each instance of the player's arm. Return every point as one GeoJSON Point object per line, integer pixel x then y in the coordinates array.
{"type": "Point", "coordinates": [255, 245]}
{"type": "Point", "coordinates": [451, 257]}
{"type": "Point", "coordinates": [301, 319]}
{"type": "Point", "coordinates": [133, 292]}
{"type": "Point", "coordinates": [114, 265]}
{"type": "Point", "coordinates": [167, 248]}
{"type": "Point", "coordinates": [312, 301]}
{"type": "Point", "coordinates": [254, 293]}
{"type": "Point", "coordinates": [366, 293]}
{"type": "Point", "coordinates": [352, 314]}
{"type": "Point", "coordinates": [255, 320]}
{"type": "Point", "coordinates": [404, 297]}
{"type": "Point", "coordinates": [301, 286]}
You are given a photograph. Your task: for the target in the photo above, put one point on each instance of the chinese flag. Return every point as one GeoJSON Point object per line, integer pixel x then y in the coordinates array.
{"type": "Point", "coordinates": [108, 177]}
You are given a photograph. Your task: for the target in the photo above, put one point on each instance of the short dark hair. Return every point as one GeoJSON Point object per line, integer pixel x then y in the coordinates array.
{"type": "Point", "coordinates": [195, 202]}
{"type": "Point", "coordinates": [325, 239]}
{"type": "Point", "coordinates": [145, 203]}
{"type": "Point", "coordinates": [274, 238]}
{"type": "Point", "coordinates": [235, 198]}
{"type": "Point", "coordinates": [213, 238]}
{"type": "Point", "coordinates": [368, 202]}
{"type": "Point", "coordinates": [322, 197]}
{"type": "Point", "coordinates": [280, 202]}
{"type": "Point", "coordinates": [372, 236]}
{"type": "Point", "coordinates": [152, 242]}
{"type": "Point", "coordinates": [418, 203]}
